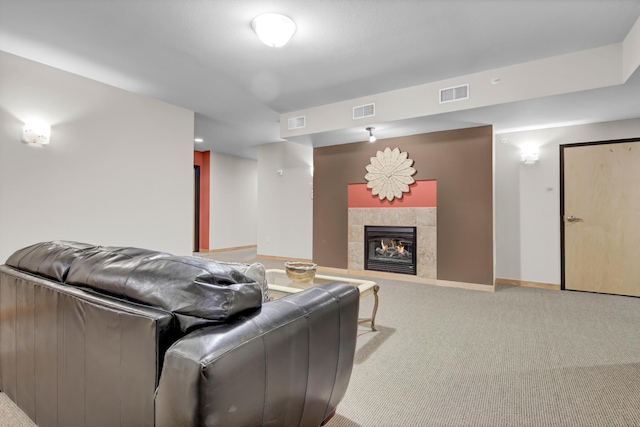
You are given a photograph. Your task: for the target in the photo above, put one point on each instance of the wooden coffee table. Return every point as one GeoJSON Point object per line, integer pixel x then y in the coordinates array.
{"type": "Point", "coordinates": [280, 285]}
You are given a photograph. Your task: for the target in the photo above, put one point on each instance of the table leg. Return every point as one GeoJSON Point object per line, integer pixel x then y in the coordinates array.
{"type": "Point", "coordinates": [372, 319]}
{"type": "Point", "coordinates": [375, 307]}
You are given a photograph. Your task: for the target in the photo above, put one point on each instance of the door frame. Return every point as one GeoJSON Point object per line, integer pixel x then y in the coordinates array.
{"type": "Point", "coordinates": [196, 208]}
{"type": "Point", "coordinates": [562, 211]}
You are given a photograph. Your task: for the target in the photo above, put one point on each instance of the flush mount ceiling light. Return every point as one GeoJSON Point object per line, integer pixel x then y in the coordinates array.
{"type": "Point", "coordinates": [372, 137]}
{"type": "Point", "coordinates": [273, 29]}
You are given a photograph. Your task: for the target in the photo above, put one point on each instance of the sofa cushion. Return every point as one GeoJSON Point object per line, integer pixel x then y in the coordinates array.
{"type": "Point", "coordinates": [184, 285]}
{"type": "Point", "coordinates": [49, 259]}
{"type": "Point", "coordinates": [106, 268]}
{"type": "Point", "coordinates": [254, 271]}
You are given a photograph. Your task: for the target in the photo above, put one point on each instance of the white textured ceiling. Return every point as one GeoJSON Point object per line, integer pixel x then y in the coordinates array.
{"type": "Point", "coordinates": [204, 56]}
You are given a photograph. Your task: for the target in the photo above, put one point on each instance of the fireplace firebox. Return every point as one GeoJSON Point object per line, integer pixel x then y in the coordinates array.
{"type": "Point", "coordinates": [390, 249]}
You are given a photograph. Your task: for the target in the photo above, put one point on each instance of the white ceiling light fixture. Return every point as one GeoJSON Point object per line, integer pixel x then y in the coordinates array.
{"type": "Point", "coordinates": [198, 140]}
{"type": "Point", "coordinates": [273, 29]}
{"type": "Point", "coordinates": [372, 137]}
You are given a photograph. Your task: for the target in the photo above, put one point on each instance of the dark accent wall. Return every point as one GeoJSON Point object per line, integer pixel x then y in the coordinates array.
{"type": "Point", "coordinates": [461, 161]}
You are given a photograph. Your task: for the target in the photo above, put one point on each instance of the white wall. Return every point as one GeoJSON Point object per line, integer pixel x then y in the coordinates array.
{"type": "Point", "coordinates": [285, 220]}
{"type": "Point", "coordinates": [233, 202]}
{"type": "Point", "coordinates": [572, 72]}
{"type": "Point", "coordinates": [118, 171]}
{"type": "Point", "coordinates": [527, 197]}
{"type": "Point", "coordinates": [507, 211]}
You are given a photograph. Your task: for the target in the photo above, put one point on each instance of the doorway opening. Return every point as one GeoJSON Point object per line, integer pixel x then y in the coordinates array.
{"type": "Point", "coordinates": [196, 209]}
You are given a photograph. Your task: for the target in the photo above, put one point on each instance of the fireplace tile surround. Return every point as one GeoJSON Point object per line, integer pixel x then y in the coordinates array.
{"type": "Point", "coordinates": [424, 219]}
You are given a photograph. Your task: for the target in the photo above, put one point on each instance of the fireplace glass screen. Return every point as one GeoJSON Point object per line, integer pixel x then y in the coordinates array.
{"type": "Point", "coordinates": [390, 249]}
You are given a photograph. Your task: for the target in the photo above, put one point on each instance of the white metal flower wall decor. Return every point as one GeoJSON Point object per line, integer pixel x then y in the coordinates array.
{"type": "Point", "coordinates": [390, 174]}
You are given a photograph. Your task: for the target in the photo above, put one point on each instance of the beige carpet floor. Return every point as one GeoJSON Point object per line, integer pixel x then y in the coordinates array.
{"type": "Point", "coordinates": [455, 357]}
{"type": "Point", "coordinates": [517, 357]}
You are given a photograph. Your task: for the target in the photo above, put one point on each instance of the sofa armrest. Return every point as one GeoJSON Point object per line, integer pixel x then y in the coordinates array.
{"type": "Point", "coordinates": [287, 364]}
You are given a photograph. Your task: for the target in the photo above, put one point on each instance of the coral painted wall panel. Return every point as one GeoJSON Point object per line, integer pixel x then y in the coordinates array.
{"type": "Point", "coordinates": [423, 194]}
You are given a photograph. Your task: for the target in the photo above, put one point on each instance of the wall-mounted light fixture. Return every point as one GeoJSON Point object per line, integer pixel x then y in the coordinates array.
{"type": "Point", "coordinates": [36, 132]}
{"type": "Point", "coordinates": [273, 29]}
{"type": "Point", "coordinates": [372, 137]}
{"type": "Point", "coordinates": [529, 156]}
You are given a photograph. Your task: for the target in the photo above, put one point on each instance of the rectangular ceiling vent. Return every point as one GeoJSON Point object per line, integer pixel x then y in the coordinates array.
{"type": "Point", "coordinates": [451, 94]}
{"type": "Point", "coordinates": [363, 111]}
{"type": "Point", "coordinates": [296, 123]}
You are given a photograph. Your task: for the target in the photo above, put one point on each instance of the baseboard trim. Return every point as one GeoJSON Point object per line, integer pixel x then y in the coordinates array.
{"type": "Point", "coordinates": [465, 285]}
{"type": "Point", "coordinates": [282, 258]}
{"type": "Point", "coordinates": [333, 270]}
{"type": "Point", "coordinates": [527, 284]}
{"type": "Point", "coordinates": [235, 248]}
{"type": "Point", "coordinates": [416, 279]}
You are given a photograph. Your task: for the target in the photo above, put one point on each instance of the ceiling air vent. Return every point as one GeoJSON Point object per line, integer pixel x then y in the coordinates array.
{"type": "Point", "coordinates": [363, 111]}
{"type": "Point", "coordinates": [451, 94]}
{"type": "Point", "coordinates": [296, 123]}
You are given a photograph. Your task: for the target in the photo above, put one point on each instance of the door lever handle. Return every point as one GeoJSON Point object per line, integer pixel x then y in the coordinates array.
{"type": "Point", "coordinates": [572, 218]}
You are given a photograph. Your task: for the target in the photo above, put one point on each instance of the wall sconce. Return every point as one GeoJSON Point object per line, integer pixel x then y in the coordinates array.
{"type": "Point", "coordinates": [372, 137]}
{"type": "Point", "coordinates": [35, 132]}
{"type": "Point", "coordinates": [529, 156]}
{"type": "Point", "coordinates": [273, 29]}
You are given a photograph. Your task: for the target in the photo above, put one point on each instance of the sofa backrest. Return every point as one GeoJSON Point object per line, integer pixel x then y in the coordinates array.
{"type": "Point", "coordinates": [48, 259]}
{"type": "Point", "coordinates": [193, 288]}
{"type": "Point", "coordinates": [198, 291]}
{"type": "Point", "coordinates": [70, 356]}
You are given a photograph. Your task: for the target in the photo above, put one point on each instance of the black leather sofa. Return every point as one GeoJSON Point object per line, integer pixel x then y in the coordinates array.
{"type": "Point", "coordinates": [108, 336]}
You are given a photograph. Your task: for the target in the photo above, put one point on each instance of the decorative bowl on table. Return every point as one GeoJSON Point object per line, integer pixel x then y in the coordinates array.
{"type": "Point", "coordinates": [299, 271]}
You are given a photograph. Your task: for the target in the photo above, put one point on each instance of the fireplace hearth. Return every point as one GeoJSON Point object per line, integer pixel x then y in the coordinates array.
{"type": "Point", "coordinates": [391, 249]}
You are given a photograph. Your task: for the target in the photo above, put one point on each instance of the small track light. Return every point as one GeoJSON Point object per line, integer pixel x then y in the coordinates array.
{"type": "Point", "coordinates": [372, 138]}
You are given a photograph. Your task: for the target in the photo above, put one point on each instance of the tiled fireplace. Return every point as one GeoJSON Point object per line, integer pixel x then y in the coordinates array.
{"type": "Point", "coordinates": [410, 222]}
{"type": "Point", "coordinates": [423, 219]}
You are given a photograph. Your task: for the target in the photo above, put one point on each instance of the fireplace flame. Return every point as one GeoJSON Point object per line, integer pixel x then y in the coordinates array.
{"type": "Point", "coordinates": [398, 246]}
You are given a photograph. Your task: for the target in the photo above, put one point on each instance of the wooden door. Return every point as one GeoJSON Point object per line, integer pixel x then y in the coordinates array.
{"type": "Point", "coordinates": [601, 217]}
